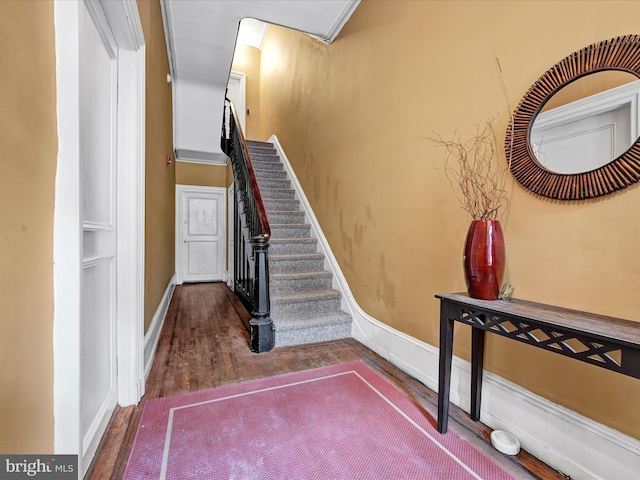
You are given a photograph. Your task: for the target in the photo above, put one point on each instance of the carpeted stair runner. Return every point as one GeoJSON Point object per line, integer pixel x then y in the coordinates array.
{"type": "Point", "coordinates": [304, 307]}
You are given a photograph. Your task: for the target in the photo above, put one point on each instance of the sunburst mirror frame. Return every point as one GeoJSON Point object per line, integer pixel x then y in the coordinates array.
{"type": "Point", "coordinates": [620, 53]}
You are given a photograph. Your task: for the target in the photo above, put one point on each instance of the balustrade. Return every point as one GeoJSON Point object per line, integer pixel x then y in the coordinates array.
{"type": "Point", "coordinates": [251, 234]}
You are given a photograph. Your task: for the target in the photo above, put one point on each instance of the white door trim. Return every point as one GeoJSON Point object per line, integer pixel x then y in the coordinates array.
{"type": "Point", "coordinates": [241, 103]}
{"type": "Point", "coordinates": [131, 221]}
{"type": "Point", "coordinates": [180, 189]}
{"type": "Point", "coordinates": [95, 418]}
{"type": "Point", "coordinates": [122, 16]}
{"type": "Point", "coordinates": [231, 198]}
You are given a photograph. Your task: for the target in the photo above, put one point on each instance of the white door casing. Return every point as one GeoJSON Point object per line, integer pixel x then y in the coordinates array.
{"type": "Point", "coordinates": [119, 21]}
{"type": "Point", "coordinates": [588, 133]}
{"type": "Point", "coordinates": [230, 234]}
{"type": "Point", "coordinates": [200, 233]}
{"type": "Point", "coordinates": [237, 93]}
{"type": "Point", "coordinates": [98, 130]}
{"type": "Point", "coordinates": [583, 144]}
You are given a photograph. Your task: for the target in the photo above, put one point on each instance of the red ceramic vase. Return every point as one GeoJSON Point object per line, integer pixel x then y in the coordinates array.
{"type": "Point", "coordinates": [484, 257]}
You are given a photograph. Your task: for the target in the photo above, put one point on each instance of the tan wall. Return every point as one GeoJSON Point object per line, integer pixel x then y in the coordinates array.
{"type": "Point", "coordinates": [159, 178]}
{"type": "Point", "coordinates": [352, 117]}
{"type": "Point", "coordinates": [201, 174]}
{"type": "Point", "coordinates": [29, 142]}
{"type": "Point", "coordinates": [247, 60]}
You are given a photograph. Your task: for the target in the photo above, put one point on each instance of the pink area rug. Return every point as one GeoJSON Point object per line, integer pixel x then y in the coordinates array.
{"type": "Point", "coordinates": [338, 422]}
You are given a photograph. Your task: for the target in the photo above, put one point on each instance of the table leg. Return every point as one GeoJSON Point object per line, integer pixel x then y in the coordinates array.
{"type": "Point", "coordinates": [444, 379]}
{"type": "Point", "coordinates": [477, 359]}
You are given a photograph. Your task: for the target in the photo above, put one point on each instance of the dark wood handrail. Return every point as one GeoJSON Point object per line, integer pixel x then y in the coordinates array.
{"type": "Point", "coordinates": [262, 214]}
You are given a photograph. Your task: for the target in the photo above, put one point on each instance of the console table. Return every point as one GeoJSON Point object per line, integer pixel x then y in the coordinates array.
{"type": "Point", "coordinates": [607, 342]}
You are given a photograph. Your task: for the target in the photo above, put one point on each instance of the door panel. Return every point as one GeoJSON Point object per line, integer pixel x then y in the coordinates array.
{"type": "Point", "coordinates": [203, 233]}
{"type": "Point", "coordinates": [96, 332]}
{"type": "Point", "coordinates": [98, 116]}
{"type": "Point", "coordinates": [203, 257]}
{"type": "Point", "coordinates": [203, 214]}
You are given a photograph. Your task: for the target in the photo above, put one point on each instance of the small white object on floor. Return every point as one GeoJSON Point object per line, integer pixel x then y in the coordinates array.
{"type": "Point", "coordinates": [505, 443]}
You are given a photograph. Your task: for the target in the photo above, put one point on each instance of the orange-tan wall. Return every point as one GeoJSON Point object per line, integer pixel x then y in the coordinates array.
{"type": "Point", "coordinates": [247, 60]}
{"type": "Point", "coordinates": [200, 174]}
{"type": "Point", "coordinates": [352, 117]}
{"type": "Point", "coordinates": [159, 177]}
{"type": "Point", "coordinates": [29, 142]}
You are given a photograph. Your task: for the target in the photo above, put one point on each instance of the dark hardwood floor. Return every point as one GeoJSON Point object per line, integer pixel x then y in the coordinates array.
{"type": "Point", "coordinates": [204, 344]}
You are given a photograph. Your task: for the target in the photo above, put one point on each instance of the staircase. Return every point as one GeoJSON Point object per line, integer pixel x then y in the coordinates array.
{"type": "Point", "coordinates": [304, 307]}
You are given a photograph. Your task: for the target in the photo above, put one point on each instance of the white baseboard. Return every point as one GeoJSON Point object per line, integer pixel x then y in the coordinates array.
{"type": "Point", "coordinates": [153, 334]}
{"type": "Point", "coordinates": [569, 442]}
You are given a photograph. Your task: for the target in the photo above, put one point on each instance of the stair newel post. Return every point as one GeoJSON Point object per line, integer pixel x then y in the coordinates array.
{"type": "Point", "coordinates": [261, 332]}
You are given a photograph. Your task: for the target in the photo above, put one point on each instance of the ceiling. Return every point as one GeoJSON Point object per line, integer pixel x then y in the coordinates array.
{"type": "Point", "coordinates": [201, 37]}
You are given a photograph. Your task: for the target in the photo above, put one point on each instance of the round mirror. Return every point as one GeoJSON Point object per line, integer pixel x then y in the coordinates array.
{"type": "Point", "coordinates": [554, 147]}
{"type": "Point", "coordinates": [587, 123]}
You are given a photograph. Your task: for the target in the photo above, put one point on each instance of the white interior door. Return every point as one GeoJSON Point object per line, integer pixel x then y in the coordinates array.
{"type": "Point", "coordinates": [201, 231]}
{"type": "Point", "coordinates": [98, 127]}
{"type": "Point", "coordinates": [237, 93]}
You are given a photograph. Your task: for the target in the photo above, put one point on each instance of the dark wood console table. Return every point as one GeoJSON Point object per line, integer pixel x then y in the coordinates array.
{"type": "Point", "coordinates": [607, 342]}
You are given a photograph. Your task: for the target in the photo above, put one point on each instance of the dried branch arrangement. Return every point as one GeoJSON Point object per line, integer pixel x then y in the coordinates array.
{"type": "Point", "coordinates": [475, 170]}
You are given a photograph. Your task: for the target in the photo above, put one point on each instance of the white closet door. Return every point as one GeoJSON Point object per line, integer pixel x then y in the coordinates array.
{"type": "Point", "coordinates": [202, 228]}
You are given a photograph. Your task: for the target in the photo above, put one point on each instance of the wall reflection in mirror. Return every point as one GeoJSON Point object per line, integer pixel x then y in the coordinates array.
{"type": "Point", "coordinates": [588, 123]}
